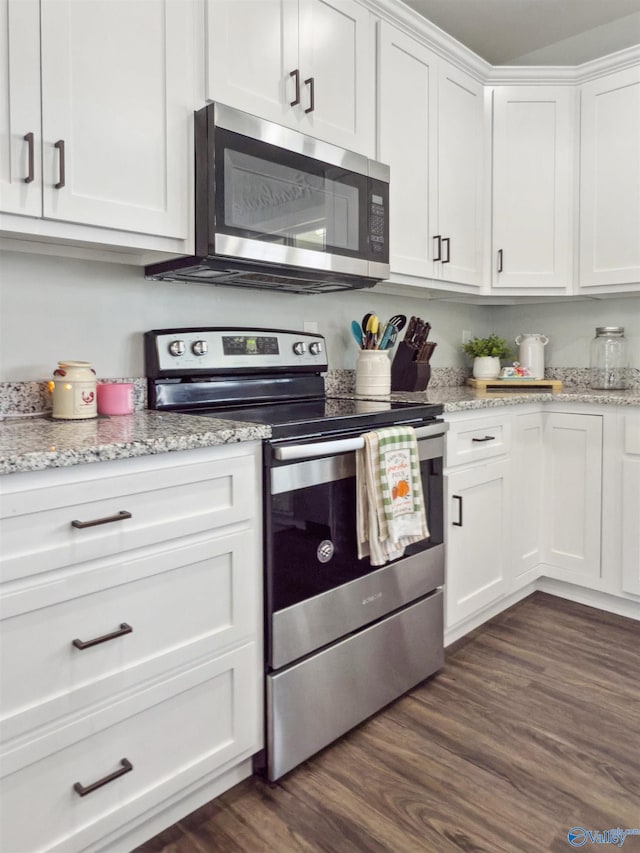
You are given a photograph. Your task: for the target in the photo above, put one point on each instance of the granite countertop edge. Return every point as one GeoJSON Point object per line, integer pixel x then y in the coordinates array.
{"type": "Point", "coordinates": [36, 444]}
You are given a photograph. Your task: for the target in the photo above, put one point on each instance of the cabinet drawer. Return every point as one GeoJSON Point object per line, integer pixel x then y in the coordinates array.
{"type": "Point", "coordinates": [179, 603]}
{"type": "Point", "coordinates": [164, 502]}
{"type": "Point", "coordinates": [172, 744]}
{"type": "Point", "coordinates": [476, 439]}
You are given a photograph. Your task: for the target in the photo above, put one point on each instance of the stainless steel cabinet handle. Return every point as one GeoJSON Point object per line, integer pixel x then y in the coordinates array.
{"type": "Point", "coordinates": [82, 790]}
{"type": "Point", "coordinates": [438, 257]}
{"type": "Point", "coordinates": [60, 146]}
{"type": "Point", "coordinates": [458, 523]}
{"type": "Point", "coordinates": [296, 75]}
{"type": "Point", "coordinates": [447, 240]}
{"type": "Point", "coordinates": [486, 438]}
{"type": "Point", "coordinates": [28, 138]}
{"type": "Point", "coordinates": [87, 644]}
{"type": "Point", "coordinates": [310, 82]}
{"type": "Point", "coordinates": [499, 260]}
{"type": "Point", "coordinates": [120, 516]}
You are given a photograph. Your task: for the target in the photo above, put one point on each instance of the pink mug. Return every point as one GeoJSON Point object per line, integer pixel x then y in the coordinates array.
{"type": "Point", "coordinates": [115, 398]}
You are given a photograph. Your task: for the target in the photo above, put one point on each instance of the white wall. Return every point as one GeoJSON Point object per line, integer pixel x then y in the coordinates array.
{"type": "Point", "coordinates": [53, 308]}
{"type": "Point", "coordinates": [571, 326]}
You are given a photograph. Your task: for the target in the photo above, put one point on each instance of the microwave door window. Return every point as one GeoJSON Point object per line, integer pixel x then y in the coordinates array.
{"type": "Point", "coordinates": [274, 202]}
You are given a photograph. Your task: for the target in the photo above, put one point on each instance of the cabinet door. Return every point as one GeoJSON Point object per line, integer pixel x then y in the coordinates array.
{"type": "Point", "coordinates": [407, 84]}
{"type": "Point", "coordinates": [528, 465]}
{"type": "Point", "coordinates": [631, 525]}
{"type": "Point", "coordinates": [117, 93]}
{"type": "Point", "coordinates": [532, 181]}
{"type": "Point", "coordinates": [573, 494]}
{"type": "Point", "coordinates": [460, 175]}
{"type": "Point", "coordinates": [610, 180]}
{"type": "Point", "coordinates": [337, 60]}
{"type": "Point", "coordinates": [252, 50]}
{"type": "Point", "coordinates": [20, 108]}
{"type": "Point", "coordinates": [477, 524]}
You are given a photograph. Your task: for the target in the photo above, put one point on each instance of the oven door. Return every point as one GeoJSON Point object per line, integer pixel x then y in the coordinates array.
{"type": "Point", "coordinates": [316, 587]}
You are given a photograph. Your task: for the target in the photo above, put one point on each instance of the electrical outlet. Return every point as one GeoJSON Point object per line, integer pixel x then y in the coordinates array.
{"type": "Point", "coordinates": [310, 326]}
{"type": "Point", "coordinates": [466, 336]}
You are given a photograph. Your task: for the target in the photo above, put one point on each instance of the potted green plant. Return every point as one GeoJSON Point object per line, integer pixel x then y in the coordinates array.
{"type": "Point", "coordinates": [486, 354]}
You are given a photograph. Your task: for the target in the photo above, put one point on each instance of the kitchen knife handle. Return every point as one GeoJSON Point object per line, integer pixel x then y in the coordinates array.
{"type": "Point", "coordinates": [60, 146]}
{"type": "Point", "coordinates": [499, 260]}
{"type": "Point", "coordinates": [296, 75]}
{"type": "Point", "coordinates": [87, 644]}
{"type": "Point", "coordinates": [82, 790]}
{"type": "Point", "coordinates": [447, 240]}
{"type": "Point", "coordinates": [458, 523]}
{"type": "Point", "coordinates": [28, 138]}
{"type": "Point", "coordinates": [311, 83]}
{"type": "Point", "coordinates": [438, 257]}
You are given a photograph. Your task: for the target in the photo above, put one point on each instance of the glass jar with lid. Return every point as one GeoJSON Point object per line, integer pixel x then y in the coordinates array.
{"type": "Point", "coordinates": [608, 359]}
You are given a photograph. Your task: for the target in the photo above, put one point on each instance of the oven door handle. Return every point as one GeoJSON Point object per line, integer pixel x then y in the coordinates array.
{"type": "Point", "coordinates": [345, 445]}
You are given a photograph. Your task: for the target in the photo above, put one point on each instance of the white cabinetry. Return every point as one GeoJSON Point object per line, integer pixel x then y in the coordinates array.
{"type": "Point", "coordinates": [610, 181]}
{"type": "Point", "coordinates": [631, 506]}
{"type": "Point", "coordinates": [130, 647]}
{"type": "Point", "coordinates": [528, 496]}
{"type": "Point", "coordinates": [103, 93]}
{"type": "Point", "coordinates": [431, 133]}
{"type": "Point", "coordinates": [307, 64]}
{"type": "Point", "coordinates": [533, 156]}
{"type": "Point", "coordinates": [572, 495]}
{"type": "Point", "coordinates": [477, 515]}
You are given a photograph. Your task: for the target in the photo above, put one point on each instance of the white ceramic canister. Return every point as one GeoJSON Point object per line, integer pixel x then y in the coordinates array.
{"type": "Point", "coordinates": [373, 373]}
{"type": "Point", "coordinates": [532, 353]}
{"type": "Point", "coordinates": [74, 391]}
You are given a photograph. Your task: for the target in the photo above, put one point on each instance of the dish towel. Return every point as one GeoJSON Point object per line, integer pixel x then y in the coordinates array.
{"type": "Point", "coordinates": [390, 509]}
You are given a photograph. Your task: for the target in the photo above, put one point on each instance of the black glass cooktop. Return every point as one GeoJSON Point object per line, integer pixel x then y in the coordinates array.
{"type": "Point", "coordinates": [326, 415]}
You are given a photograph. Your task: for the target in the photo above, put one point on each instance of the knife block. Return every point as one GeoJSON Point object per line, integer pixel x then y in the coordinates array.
{"type": "Point", "coordinates": [408, 374]}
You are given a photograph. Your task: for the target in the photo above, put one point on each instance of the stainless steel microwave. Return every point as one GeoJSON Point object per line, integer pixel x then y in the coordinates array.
{"type": "Point", "coordinates": [280, 210]}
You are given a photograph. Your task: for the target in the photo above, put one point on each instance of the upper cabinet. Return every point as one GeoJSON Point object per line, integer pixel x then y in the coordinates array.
{"type": "Point", "coordinates": [431, 133]}
{"type": "Point", "coordinates": [96, 115]}
{"type": "Point", "coordinates": [610, 181]}
{"type": "Point", "coordinates": [307, 64]}
{"type": "Point", "coordinates": [533, 145]}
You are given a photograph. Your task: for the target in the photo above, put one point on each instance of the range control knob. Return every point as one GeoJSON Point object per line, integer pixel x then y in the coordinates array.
{"type": "Point", "coordinates": [199, 347]}
{"type": "Point", "coordinates": [315, 348]}
{"type": "Point", "coordinates": [299, 347]}
{"type": "Point", "coordinates": [176, 347]}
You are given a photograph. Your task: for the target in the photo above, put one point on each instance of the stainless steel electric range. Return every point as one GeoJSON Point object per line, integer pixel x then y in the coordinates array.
{"type": "Point", "coordinates": [343, 638]}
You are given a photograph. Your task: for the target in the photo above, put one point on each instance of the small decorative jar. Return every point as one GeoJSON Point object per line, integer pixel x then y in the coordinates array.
{"type": "Point", "coordinates": [74, 391]}
{"type": "Point", "coordinates": [373, 373]}
{"type": "Point", "coordinates": [609, 362]}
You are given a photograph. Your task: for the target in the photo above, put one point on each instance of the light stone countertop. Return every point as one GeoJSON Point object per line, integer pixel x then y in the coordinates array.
{"type": "Point", "coordinates": [32, 444]}
{"type": "Point", "coordinates": [460, 398]}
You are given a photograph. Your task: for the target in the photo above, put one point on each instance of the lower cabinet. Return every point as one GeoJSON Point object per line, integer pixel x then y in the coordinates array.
{"type": "Point", "coordinates": [130, 644]}
{"type": "Point", "coordinates": [541, 493]}
{"type": "Point", "coordinates": [572, 495]}
{"type": "Point", "coordinates": [631, 506]}
{"type": "Point", "coordinates": [477, 517]}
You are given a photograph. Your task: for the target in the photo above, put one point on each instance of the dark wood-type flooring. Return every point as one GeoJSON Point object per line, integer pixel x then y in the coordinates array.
{"type": "Point", "coordinates": [532, 727]}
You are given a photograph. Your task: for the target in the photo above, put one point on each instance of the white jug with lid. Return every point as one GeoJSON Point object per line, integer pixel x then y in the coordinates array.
{"type": "Point", "coordinates": [532, 353]}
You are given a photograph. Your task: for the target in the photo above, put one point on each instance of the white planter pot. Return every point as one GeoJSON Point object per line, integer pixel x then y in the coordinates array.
{"type": "Point", "coordinates": [486, 367]}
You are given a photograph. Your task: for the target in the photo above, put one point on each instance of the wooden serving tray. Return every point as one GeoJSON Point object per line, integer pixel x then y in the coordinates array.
{"type": "Point", "coordinates": [485, 387]}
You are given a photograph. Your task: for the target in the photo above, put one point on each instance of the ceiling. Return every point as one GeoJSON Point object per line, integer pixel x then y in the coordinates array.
{"type": "Point", "coordinates": [537, 32]}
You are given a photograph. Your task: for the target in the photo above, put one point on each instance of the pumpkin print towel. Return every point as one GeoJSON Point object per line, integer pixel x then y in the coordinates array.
{"type": "Point", "coordinates": [390, 502]}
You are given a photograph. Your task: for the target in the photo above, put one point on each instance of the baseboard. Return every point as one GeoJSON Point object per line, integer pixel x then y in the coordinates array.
{"type": "Point", "coordinates": [456, 632]}
{"type": "Point", "coordinates": [590, 597]}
